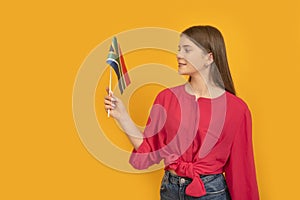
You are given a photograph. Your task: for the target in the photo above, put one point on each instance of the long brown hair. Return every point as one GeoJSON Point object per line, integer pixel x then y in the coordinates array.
{"type": "Point", "coordinates": [212, 40]}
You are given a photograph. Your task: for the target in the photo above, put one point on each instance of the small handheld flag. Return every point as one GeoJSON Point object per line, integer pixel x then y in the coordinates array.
{"type": "Point", "coordinates": [116, 61]}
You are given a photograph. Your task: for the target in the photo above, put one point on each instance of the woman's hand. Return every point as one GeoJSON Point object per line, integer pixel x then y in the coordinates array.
{"type": "Point", "coordinates": [114, 105]}
{"type": "Point", "coordinates": [118, 111]}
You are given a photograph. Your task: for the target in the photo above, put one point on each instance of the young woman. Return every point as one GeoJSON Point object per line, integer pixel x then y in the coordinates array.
{"type": "Point", "coordinates": [201, 129]}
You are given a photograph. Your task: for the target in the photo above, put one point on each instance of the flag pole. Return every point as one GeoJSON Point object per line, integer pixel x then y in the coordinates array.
{"type": "Point", "coordinates": [109, 90]}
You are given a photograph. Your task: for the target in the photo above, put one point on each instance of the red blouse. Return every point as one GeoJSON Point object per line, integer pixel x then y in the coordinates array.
{"type": "Point", "coordinates": [203, 136]}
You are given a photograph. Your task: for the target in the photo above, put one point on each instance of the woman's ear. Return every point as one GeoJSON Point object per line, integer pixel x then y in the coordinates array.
{"type": "Point", "coordinates": [210, 58]}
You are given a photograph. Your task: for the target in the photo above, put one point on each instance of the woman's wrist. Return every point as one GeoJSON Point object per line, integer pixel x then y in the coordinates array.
{"type": "Point", "coordinates": [123, 118]}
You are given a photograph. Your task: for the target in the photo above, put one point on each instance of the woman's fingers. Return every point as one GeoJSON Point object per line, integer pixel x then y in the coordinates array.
{"type": "Point", "coordinates": [109, 103]}
{"type": "Point", "coordinates": [110, 98]}
{"type": "Point", "coordinates": [113, 104]}
{"type": "Point", "coordinates": [109, 108]}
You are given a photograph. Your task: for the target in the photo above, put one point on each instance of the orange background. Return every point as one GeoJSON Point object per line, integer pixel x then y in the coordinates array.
{"type": "Point", "coordinates": [43, 45]}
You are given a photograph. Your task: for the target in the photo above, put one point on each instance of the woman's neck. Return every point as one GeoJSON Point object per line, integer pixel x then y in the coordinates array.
{"type": "Point", "coordinates": [202, 88]}
{"type": "Point", "coordinates": [198, 87]}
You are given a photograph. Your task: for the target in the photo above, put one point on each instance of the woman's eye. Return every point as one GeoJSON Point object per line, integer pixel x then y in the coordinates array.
{"type": "Point", "coordinates": [185, 50]}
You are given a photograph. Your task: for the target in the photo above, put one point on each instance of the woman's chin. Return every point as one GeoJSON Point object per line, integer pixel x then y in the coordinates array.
{"type": "Point", "coordinates": [182, 73]}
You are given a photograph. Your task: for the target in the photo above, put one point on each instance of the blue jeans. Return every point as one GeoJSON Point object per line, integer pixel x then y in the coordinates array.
{"type": "Point", "coordinates": [173, 187]}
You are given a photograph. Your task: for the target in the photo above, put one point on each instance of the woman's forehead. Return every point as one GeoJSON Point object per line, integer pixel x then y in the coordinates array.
{"type": "Point", "coordinates": [185, 40]}
{"type": "Point", "coordinates": [188, 41]}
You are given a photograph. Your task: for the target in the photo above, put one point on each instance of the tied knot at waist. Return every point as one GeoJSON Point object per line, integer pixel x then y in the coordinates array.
{"type": "Point", "coordinates": [196, 187]}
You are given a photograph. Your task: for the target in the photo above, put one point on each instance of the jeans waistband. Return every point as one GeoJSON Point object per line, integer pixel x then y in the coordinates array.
{"type": "Point", "coordinates": [175, 179]}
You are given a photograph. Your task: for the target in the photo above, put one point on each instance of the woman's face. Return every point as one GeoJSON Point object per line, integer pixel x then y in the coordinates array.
{"type": "Point", "coordinates": [191, 58]}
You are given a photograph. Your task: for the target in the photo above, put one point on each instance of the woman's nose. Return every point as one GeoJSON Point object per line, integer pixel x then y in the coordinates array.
{"type": "Point", "coordinates": [179, 55]}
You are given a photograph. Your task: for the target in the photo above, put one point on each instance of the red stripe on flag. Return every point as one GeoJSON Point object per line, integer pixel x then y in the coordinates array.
{"type": "Point", "coordinates": [124, 70]}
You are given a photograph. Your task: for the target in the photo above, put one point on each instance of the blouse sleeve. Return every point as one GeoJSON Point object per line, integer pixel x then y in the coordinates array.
{"type": "Point", "coordinates": [240, 169]}
{"type": "Point", "coordinates": [148, 152]}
